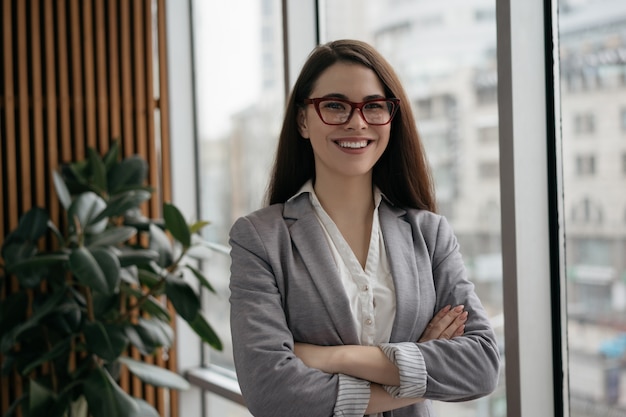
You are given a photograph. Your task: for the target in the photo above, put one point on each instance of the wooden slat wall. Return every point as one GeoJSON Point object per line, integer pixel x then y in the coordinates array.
{"type": "Point", "coordinates": [77, 74]}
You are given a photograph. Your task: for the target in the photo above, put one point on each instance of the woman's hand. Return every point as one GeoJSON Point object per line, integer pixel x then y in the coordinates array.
{"type": "Point", "coordinates": [448, 323]}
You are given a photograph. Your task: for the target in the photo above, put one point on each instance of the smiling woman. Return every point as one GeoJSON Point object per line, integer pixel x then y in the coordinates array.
{"type": "Point", "coordinates": [348, 292]}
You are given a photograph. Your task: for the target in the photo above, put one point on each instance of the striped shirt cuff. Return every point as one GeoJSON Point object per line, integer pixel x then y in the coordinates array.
{"type": "Point", "coordinates": [410, 362]}
{"type": "Point", "coordinates": [353, 397]}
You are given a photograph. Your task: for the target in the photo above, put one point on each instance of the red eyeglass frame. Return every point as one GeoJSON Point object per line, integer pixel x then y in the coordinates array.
{"type": "Point", "coordinates": [316, 104]}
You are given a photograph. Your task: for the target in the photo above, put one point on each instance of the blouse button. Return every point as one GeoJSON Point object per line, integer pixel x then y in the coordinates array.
{"type": "Point", "coordinates": [365, 288]}
{"type": "Point", "coordinates": [368, 322]}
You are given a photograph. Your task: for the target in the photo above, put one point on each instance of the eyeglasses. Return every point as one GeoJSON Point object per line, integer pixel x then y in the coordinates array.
{"type": "Point", "coordinates": [336, 111]}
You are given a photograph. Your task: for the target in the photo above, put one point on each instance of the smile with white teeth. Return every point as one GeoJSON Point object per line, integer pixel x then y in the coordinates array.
{"type": "Point", "coordinates": [352, 145]}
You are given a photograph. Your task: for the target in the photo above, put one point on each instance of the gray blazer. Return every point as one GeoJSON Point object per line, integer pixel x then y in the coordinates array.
{"type": "Point", "coordinates": [285, 288]}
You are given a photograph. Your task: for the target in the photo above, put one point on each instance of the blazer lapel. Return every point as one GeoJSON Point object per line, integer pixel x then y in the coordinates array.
{"type": "Point", "coordinates": [399, 245]}
{"type": "Point", "coordinates": [308, 237]}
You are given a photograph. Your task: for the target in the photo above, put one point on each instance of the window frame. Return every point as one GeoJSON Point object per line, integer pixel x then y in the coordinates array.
{"type": "Point", "coordinates": [532, 208]}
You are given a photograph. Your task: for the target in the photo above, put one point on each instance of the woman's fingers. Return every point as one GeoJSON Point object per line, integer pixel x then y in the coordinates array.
{"type": "Point", "coordinates": [448, 323]}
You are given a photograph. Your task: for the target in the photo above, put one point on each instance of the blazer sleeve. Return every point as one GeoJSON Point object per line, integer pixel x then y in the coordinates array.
{"type": "Point", "coordinates": [273, 381]}
{"type": "Point", "coordinates": [465, 367]}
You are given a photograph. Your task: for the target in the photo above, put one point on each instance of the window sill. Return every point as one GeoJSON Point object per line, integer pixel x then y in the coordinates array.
{"type": "Point", "coordinates": [216, 380]}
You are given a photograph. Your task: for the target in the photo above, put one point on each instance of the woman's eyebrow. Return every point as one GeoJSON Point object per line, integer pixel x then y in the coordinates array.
{"type": "Point", "coordinates": [344, 97]}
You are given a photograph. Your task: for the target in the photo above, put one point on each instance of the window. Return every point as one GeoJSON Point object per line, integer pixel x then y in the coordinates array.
{"type": "Point", "coordinates": [488, 170]}
{"type": "Point", "coordinates": [584, 123]}
{"type": "Point", "coordinates": [592, 43]}
{"type": "Point", "coordinates": [585, 165]}
{"type": "Point", "coordinates": [594, 210]}
{"type": "Point", "coordinates": [240, 99]}
{"type": "Point", "coordinates": [488, 134]}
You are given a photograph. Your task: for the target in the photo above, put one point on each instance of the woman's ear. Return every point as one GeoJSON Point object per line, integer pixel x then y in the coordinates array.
{"type": "Point", "coordinates": [302, 124]}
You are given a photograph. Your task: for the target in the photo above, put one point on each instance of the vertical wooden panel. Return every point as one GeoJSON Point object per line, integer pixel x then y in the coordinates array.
{"type": "Point", "coordinates": [101, 77]}
{"type": "Point", "coordinates": [64, 103]}
{"type": "Point", "coordinates": [51, 107]}
{"type": "Point", "coordinates": [9, 188]}
{"type": "Point", "coordinates": [25, 181]}
{"type": "Point", "coordinates": [39, 146]}
{"type": "Point", "coordinates": [166, 185]}
{"type": "Point", "coordinates": [89, 72]}
{"type": "Point", "coordinates": [115, 123]}
{"type": "Point", "coordinates": [149, 93]}
{"type": "Point", "coordinates": [9, 109]}
{"type": "Point", "coordinates": [77, 91]}
{"type": "Point", "coordinates": [79, 73]}
{"type": "Point", "coordinates": [126, 76]}
{"type": "Point", "coordinates": [138, 78]}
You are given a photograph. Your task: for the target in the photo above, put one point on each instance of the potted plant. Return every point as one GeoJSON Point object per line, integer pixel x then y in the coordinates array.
{"type": "Point", "coordinates": [100, 286]}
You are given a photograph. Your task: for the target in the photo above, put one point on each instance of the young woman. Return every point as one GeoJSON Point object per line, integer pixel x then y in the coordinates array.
{"type": "Point", "coordinates": [349, 296]}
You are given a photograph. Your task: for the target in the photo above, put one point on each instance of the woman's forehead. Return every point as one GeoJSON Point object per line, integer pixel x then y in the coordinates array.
{"type": "Point", "coordinates": [348, 79]}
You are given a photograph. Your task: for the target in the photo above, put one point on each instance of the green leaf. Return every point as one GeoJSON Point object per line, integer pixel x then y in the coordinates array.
{"type": "Point", "coordinates": [52, 301]}
{"type": "Point", "coordinates": [155, 375]}
{"type": "Point", "coordinates": [33, 224]}
{"type": "Point", "coordinates": [130, 171]}
{"type": "Point", "coordinates": [87, 270]}
{"type": "Point", "coordinates": [201, 278]}
{"type": "Point", "coordinates": [110, 266]}
{"type": "Point", "coordinates": [121, 203]}
{"type": "Point", "coordinates": [199, 225]}
{"type": "Point", "coordinates": [80, 171]}
{"type": "Point", "coordinates": [183, 297]}
{"type": "Point", "coordinates": [145, 409]}
{"type": "Point", "coordinates": [40, 399]}
{"type": "Point", "coordinates": [37, 261]}
{"type": "Point", "coordinates": [106, 398]}
{"type": "Point", "coordinates": [106, 341]}
{"type": "Point", "coordinates": [152, 335]}
{"type": "Point", "coordinates": [13, 310]}
{"type": "Point", "coordinates": [86, 207]}
{"type": "Point", "coordinates": [148, 278]}
{"type": "Point", "coordinates": [63, 193]}
{"type": "Point", "coordinates": [130, 275]}
{"type": "Point", "coordinates": [110, 158]}
{"type": "Point", "coordinates": [176, 224]}
{"type": "Point", "coordinates": [153, 307]}
{"type": "Point", "coordinates": [161, 243]}
{"type": "Point", "coordinates": [98, 170]}
{"type": "Point", "coordinates": [205, 331]}
{"type": "Point", "coordinates": [59, 349]}
{"type": "Point", "coordinates": [113, 236]}
{"type": "Point", "coordinates": [137, 257]}
{"type": "Point", "coordinates": [57, 233]}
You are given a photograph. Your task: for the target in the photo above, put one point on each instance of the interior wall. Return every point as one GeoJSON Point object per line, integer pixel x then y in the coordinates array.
{"type": "Point", "coordinates": [77, 74]}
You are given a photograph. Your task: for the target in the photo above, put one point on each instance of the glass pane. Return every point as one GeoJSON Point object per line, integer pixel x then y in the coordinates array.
{"type": "Point", "coordinates": [240, 100]}
{"type": "Point", "coordinates": [592, 38]}
{"type": "Point", "coordinates": [445, 54]}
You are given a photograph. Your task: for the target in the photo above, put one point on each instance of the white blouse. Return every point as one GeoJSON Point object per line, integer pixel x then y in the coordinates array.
{"type": "Point", "coordinates": [371, 294]}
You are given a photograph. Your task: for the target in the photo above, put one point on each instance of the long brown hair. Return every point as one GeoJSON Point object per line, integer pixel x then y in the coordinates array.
{"type": "Point", "coordinates": [402, 173]}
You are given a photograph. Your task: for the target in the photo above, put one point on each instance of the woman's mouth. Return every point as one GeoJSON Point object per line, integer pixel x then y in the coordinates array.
{"type": "Point", "coordinates": [352, 144]}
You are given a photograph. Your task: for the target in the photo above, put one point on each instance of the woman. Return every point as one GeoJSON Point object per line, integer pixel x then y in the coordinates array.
{"type": "Point", "coordinates": [348, 293]}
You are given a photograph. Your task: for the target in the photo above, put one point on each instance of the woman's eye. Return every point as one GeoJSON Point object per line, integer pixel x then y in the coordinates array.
{"type": "Point", "coordinates": [334, 105]}
{"type": "Point", "coordinates": [373, 106]}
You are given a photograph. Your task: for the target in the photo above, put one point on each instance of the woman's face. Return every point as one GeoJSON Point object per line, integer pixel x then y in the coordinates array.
{"type": "Point", "coordinates": [350, 149]}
